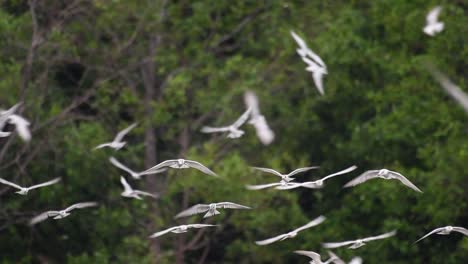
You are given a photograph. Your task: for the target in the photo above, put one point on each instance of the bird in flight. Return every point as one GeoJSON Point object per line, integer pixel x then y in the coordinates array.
{"type": "Point", "coordinates": [117, 143]}
{"type": "Point", "coordinates": [25, 190]}
{"type": "Point", "coordinates": [445, 231]}
{"type": "Point", "coordinates": [318, 183]}
{"type": "Point", "coordinates": [264, 132]}
{"type": "Point", "coordinates": [60, 214]}
{"type": "Point", "coordinates": [285, 177]}
{"type": "Point", "coordinates": [233, 129]}
{"type": "Point", "coordinates": [384, 174]}
{"type": "Point", "coordinates": [358, 242]}
{"type": "Point", "coordinates": [129, 192]}
{"type": "Point", "coordinates": [453, 90]}
{"type": "Point", "coordinates": [179, 229]}
{"type": "Point", "coordinates": [210, 209]}
{"type": "Point", "coordinates": [292, 233]}
{"type": "Point", "coordinates": [179, 164]}
{"type": "Point", "coordinates": [433, 26]}
{"type": "Point", "coordinates": [134, 174]}
{"type": "Point", "coordinates": [314, 63]}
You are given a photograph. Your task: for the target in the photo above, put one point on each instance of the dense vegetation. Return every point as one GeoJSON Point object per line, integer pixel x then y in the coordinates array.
{"type": "Point", "coordinates": [86, 69]}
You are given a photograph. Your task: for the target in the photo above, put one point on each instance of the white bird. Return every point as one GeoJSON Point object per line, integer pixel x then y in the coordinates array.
{"type": "Point", "coordinates": [60, 214]}
{"type": "Point", "coordinates": [453, 90]}
{"type": "Point", "coordinates": [338, 260]}
{"type": "Point", "coordinates": [4, 134]}
{"type": "Point", "coordinates": [264, 133]}
{"type": "Point", "coordinates": [129, 192]}
{"type": "Point", "coordinates": [25, 190]}
{"type": "Point", "coordinates": [117, 143]}
{"type": "Point", "coordinates": [314, 63]}
{"type": "Point", "coordinates": [233, 129]}
{"type": "Point", "coordinates": [433, 26]}
{"type": "Point", "coordinates": [358, 242]}
{"type": "Point", "coordinates": [179, 164]}
{"type": "Point", "coordinates": [318, 183]}
{"type": "Point", "coordinates": [134, 174]}
{"type": "Point", "coordinates": [210, 209]}
{"type": "Point", "coordinates": [292, 233]}
{"type": "Point", "coordinates": [179, 229]}
{"type": "Point", "coordinates": [383, 174]}
{"type": "Point", "coordinates": [445, 231]}
{"type": "Point", "coordinates": [316, 258]}
{"type": "Point", "coordinates": [21, 125]}
{"type": "Point", "coordinates": [5, 114]}
{"type": "Point", "coordinates": [285, 177]}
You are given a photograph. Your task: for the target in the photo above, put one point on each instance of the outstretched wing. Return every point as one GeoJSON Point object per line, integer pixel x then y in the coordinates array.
{"type": "Point", "coordinates": [155, 196]}
{"type": "Point", "coordinates": [54, 181]}
{"type": "Point", "coordinates": [119, 165]}
{"type": "Point", "coordinates": [262, 186]}
{"type": "Point", "coordinates": [10, 183]}
{"type": "Point", "coordinates": [296, 171]}
{"type": "Point", "coordinates": [462, 230]}
{"type": "Point", "coordinates": [230, 205]}
{"type": "Point", "coordinates": [334, 258]}
{"type": "Point", "coordinates": [370, 174]}
{"type": "Point", "coordinates": [404, 180]}
{"type": "Point", "coordinates": [433, 15]}
{"type": "Point", "coordinates": [160, 233]}
{"type": "Point", "coordinates": [158, 167]}
{"type": "Point", "coordinates": [124, 132]}
{"type": "Point", "coordinates": [196, 209]}
{"type": "Point", "coordinates": [318, 80]}
{"type": "Point", "coordinates": [340, 172]}
{"type": "Point", "coordinates": [272, 171]}
{"type": "Point", "coordinates": [207, 129]}
{"type": "Point", "coordinates": [127, 187]}
{"type": "Point", "coordinates": [383, 236]}
{"type": "Point", "coordinates": [430, 233]}
{"type": "Point", "coordinates": [200, 167]}
{"type": "Point", "coordinates": [338, 244]}
{"type": "Point", "coordinates": [453, 90]}
{"type": "Point", "coordinates": [243, 118]}
{"type": "Point", "coordinates": [22, 126]}
{"type": "Point", "coordinates": [199, 225]}
{"type": "Point", "coordinates": [312, 223]}
{"type": "Point", "coordinates": [42, 217]}
{"type": "Point", "coordinates": [311, 254]}
{"type": "Point", "coordinates": [81, 205]}
{"type": "Point", "coordinates": [270, 240]}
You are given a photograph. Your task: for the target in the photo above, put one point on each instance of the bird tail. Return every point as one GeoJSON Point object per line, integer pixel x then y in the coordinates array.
{"type": "Point", "coordinates": [209, 213]}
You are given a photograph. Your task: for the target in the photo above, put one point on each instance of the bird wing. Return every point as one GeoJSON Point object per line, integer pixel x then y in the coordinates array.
{"type": "Point", "coordinates": [127, 187]}
{"type": "Point", "coordinates": [200, 167]}
{"type": "Point", "coordinates": [296, 171]}
{"type": "Point", "coordinates": [160, 233]}
{"type": "Point", "coordinates": [312, 223]}
{"type": "Point", "coordinates": [22, 126]}
{"type": "Point", "coordinates": [251, 101]}
{"type": "Point", "coordinates": [146, 194]}
{"type": "Point", "coordinates": [270, 240]}
{"type": "Point", "coordinates": [340, 172]}
{"type": "Point", "coordinates": [462, 230]}
{"type": "Point", "coordinates": [208, 129]}
{"type": "Point", "coordinates": [289, 186]}
{"type": "Point", "coordinates": [356, 260]}
{"type": "Point", "coordinates": [299, 41]}
{"type": "Point", "coordinates": [272, 171]}
{"type": "Point", "coordinates": [54, 181]}
{"type": "Point", "coordinates": [311, 254]}
{"type": "Point", "coordinates": [262, 186]}
{"type": "Point", "coordinates": [338, 244]}
{"type": "Point", "coordinates": [230, 205]}
{"type": "Point", "coordinates": [334, 258]}
{"type": "Point", "coordinates": [453, 90]}
{"type": "Point", "coordinates": [81, 205]}
{"type": "Point", "coordinates": [199, 225]}
{"type": "Point", "coordinates": [196, 209]}
{"type": "Point", "coordinates": [382, 236]}
{"type": "Point", "coordinates": [316, 58]}
{"type": "Point", "coordinates": [264, 132]}
{"type": "Point", "coordinates": [318, 80]}
{"type": "Point", "coordinates": [166, 163]}
{"type": "Point", "coordinates": [42, 217]}
{"type": "Point", "coordinates": [10, 183]}
{"type": "Point", "coordinates": [4, 134]}
{"type": "Point", "coordinates": [370, 174]}
{"type": "Point", "coordinates": [433, 15]}
{"type": "Point", "coordinates": [243, 118]}
{"type": "Point", "coordinates": [404, 180]}
{"type": "Point", "coordinates": [430, 233]}
{"type": "Point", "coordinates": [119, 165]}
{"type": "Point", "coordinates": [121, 134]}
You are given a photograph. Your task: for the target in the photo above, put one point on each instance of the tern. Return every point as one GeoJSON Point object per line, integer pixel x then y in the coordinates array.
{"type": "Point", "coordinates": [445, 231]}
{"type": "Point", "coordinates": [453, 90]}
{"type": "Point", "coordinates": [134, 174]}
{"type": "Point", "coordinates": [433, 26]}
{"type": "Point", "coordinates": [285, 177]}
{"type": "Point", "coordinates": [179, 229]}
{"type": "Point", "coordinates": [316, 258]}
{"type": "Point", "coordinates": [129, 192]}
{"type": "Point", "coordinates": [179, 164]}
{"type": "Point", "coordinates": [117, 143]}
{"type": "Point", "coordinates": [314, 63]}
{"type": "Point", "coordinates": [384, 174]}
{"type": "Point", "coordinates": [318, 183]}
{"type": "Point", "coordinates": [210, 209]}
{"type": "Point", "coordinates": [234, 131]}
{"type": "Point", "coordinates": [358, 242]}
{"type": "Point", "coordinates": [25, 190]}
{"type": "Point", "coordinates": [264, 133]}
{"type": "Point", "coordinates": [292, 233]}
{"type": "Point", "coordinates": [60, 214]}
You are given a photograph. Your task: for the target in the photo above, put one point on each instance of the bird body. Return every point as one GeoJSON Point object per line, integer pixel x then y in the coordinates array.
{"type": "Point", "coordinates": [285, 177]}
{"type": "Point", "coordinates": [60, 213]}
{"type": "Point", "coordinates": [179, 164]}
{"type": "Point", "coordinates": [210, 209]}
